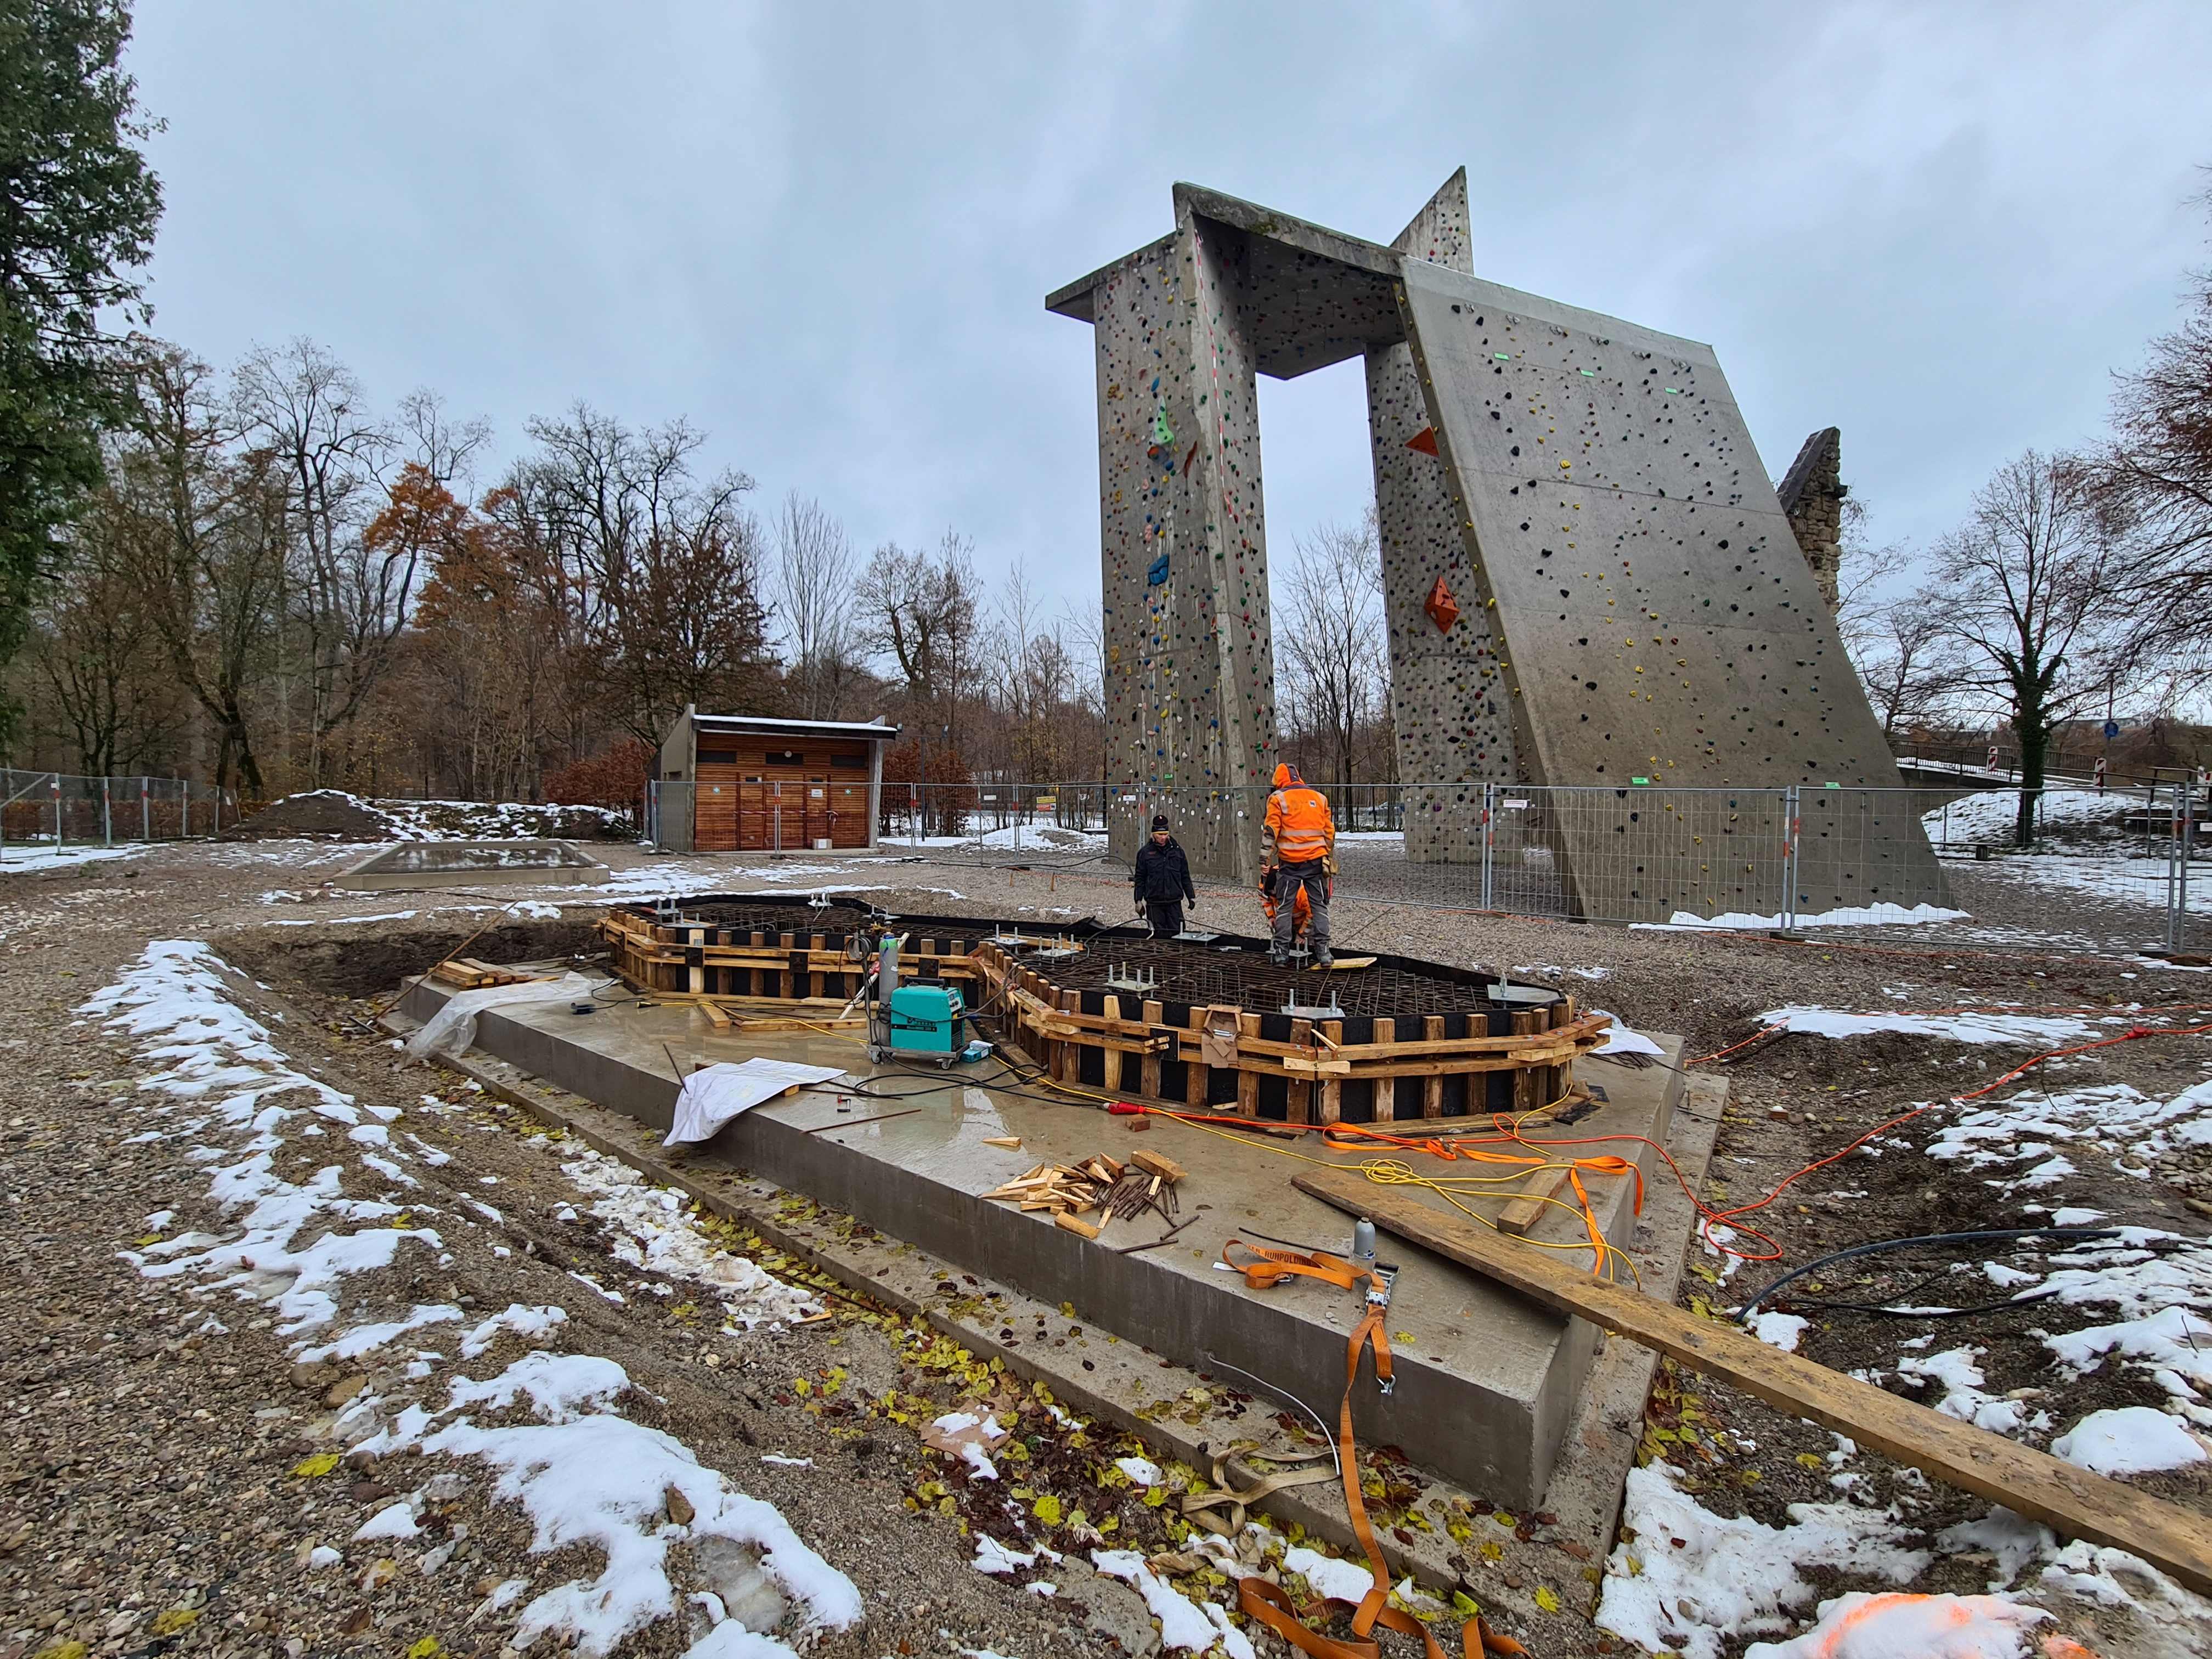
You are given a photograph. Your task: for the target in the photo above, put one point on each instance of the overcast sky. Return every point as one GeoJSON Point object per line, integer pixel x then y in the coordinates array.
{"type": "Point", "coordinates": [824, 234]}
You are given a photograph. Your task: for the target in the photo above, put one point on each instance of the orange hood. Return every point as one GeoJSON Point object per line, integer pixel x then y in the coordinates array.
{"type": "Point", "coordinates": [1286, 775]}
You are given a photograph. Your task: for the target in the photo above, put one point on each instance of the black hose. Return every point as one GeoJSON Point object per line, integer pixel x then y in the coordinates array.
{"type": "Point", "coordinates": [2073, 1235]}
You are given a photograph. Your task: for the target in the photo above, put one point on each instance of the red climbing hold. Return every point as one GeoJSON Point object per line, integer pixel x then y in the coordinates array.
{"type": "Point", "coordinates": [1443, 609]}
{"type": "Point", "coordinates": [1426, 442]}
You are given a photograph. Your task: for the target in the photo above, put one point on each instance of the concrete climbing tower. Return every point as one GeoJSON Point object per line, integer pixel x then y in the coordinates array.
{"type": "Point", "coordinates": [1448, 701]}
{"type": "Point", "coordinates": [1591, 585]}
{"type": "Point", "coordinates": [1812, 495]}
{"type": "Point", "coordinates": [1189, 669]}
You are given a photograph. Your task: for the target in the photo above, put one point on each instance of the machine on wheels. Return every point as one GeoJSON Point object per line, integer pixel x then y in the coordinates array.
{"type": "Point", "coordinates": [921, 1021]}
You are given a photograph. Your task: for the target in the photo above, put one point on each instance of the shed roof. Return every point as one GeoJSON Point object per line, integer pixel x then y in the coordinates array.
{"type": "Point", "coordinates": [875, 730]}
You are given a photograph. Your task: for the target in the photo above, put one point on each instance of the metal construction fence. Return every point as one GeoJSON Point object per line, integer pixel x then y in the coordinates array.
{"type": "Point", "coordinates": [2116, 869]}
{"type": "Point", "coordinates": [52, 811]}
{"type": "Point", "coordinates": [2121, 869]}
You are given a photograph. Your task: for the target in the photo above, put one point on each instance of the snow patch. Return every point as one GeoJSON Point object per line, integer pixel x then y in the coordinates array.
{"type": "Point", "coordinates": [1685, 1579]}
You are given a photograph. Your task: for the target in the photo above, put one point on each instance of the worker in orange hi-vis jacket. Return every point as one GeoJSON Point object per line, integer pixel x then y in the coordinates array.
{"type": "Point", "coordinates": [1297, 849]}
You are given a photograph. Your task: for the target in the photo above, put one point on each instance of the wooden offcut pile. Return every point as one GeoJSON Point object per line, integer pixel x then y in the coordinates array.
{"type": "Point", "coordinates": [467, 973]}
{"type": "Point", "coordinates": [1117, 1190]}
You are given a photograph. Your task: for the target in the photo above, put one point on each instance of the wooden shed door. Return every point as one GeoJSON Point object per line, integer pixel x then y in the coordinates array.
{"type": "Point", "coordinates": [848, 813]}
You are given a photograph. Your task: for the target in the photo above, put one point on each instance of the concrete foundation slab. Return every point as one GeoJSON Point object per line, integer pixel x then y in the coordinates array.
{"type": "Point", "coordinates": [412, 864]}
{"type": "Point", "coordinates": [1486, 1382]}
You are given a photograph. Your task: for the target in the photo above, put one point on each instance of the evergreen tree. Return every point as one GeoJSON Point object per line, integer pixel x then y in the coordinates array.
{"type": "Point", "coordinates": [77, 210]}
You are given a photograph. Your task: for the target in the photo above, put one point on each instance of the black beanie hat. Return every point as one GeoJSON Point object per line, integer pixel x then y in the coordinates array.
{"type": "Point", "coordinates": [1161, 822]}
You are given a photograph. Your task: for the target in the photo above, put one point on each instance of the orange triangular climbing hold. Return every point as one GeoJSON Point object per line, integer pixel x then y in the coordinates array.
{"type": "Point", "coordinates": [1443, 609]}
{"type": "Point", "coordinates": [1424, 440]}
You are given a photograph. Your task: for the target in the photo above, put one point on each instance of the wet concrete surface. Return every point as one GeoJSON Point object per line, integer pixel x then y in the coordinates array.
{"type": "Point", "coordinates": [1486, 1382]}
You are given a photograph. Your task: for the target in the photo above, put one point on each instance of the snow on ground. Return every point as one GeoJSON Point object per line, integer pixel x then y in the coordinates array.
{"type": "Point", "coordinates": [2130, 1440]}
{"type": "Point", "coordinates": [1185, 1625]}
{"type": "Point", "coordinates": [1685, 1579]}
{"type": "Point", "coordinates": [1975, 1026]}
{"type": "Point", "coordinates": [1988, 816]}
{"type": "Point", "coordinates": [584, 1473]}
{"type": "Point", "coordinates": [653, 1231]}
{"type": "Point", "coordinates": [2132, 880]}
{"type": "Point", "coordinates": [2132, 1129]}
{"type": "Point", "coordinates": [1869, 916]}
{"type": "Point", "coordinates": [18, 859]}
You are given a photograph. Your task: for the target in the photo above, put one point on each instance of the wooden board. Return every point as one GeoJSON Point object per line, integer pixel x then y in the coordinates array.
{"type": "Point", "coordinates": [1536, 1190]}
{"type": "Point", "coordinates": [1343, 963]}
{"type": "Point", "coordinates": [2072, 1502]}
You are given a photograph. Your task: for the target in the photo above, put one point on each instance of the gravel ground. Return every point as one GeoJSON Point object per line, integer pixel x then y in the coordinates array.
{"type": "Point", "coordinates": [168, 1471]}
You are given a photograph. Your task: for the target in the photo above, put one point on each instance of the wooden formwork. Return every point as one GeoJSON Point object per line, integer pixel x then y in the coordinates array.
{"type": "Point", "coordinates": [1258, 1064]}
{"type": "Point", "coordinates": [696, 960]}
{"type": "Point", "coordinates": [1293, 1070]}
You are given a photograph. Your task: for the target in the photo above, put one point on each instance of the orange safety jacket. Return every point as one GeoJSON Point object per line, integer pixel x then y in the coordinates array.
{"type": "Point", "coordinates": [1298, 828]}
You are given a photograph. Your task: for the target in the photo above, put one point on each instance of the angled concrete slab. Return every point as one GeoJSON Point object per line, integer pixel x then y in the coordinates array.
{"type": "Point", "coordinates": [413, 864]}
{"type": "Point", "coordinates": [1660, 625]}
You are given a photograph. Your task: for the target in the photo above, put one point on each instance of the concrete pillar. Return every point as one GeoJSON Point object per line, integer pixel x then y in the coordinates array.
{"type": "Point", "coordinates": [1189, 668]}
{"type": "Point", "coordinates": [1454, 733]}
{"type": "Point", "coordinates": [1812, 495]}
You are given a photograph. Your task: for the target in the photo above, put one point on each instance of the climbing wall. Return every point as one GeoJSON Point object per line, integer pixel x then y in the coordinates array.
{"type": "Point", "coordinates": [1447, 709]}
{"type": "Point", "coordinates": [1658, 624]}
{"type": "Point", "coordinates": [1189, 662]}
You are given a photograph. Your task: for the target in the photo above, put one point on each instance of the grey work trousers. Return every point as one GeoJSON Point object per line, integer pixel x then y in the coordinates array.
{"type": "Point", "coordinates": [1314, 878]}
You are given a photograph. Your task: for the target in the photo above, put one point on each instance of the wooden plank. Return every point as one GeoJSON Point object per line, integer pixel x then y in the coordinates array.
{"type": "Point", "coordinates": [1328, 1090]}
{"type": "Point", "coordinates": [1432, 1088]}
{"type": "Point", "coordinates": [2072, 1502]}
{"type": "Point", "coordinates": [1299, 1092]}
{"type": "Point", "coordinates": [1523, 1213]}
{"type": "Point", "coordinates": [1148, 1071]}
{"type": "Point", "coordinates": [1159, 1164]}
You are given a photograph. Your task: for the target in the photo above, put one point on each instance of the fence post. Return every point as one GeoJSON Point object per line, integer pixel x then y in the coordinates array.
{"type": "Point", "coordinates": [58, 811]}
{"type": "Point", "coordinates": [1489, 840]}
{"type": "Point", "coordinates": [2173, 879]}
{"type": "Point", "coordinates": [2180, 926]}
{"type": "Point", "coordinates": [107, 814]}
{"type": "Point", "coordinates": [1790, 860]}
{"type": "Point", "coordinates": [145, 813]}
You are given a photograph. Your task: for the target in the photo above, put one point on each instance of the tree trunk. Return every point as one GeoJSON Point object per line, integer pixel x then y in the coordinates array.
{"type": "Point", "coordinates": [2034, 735]}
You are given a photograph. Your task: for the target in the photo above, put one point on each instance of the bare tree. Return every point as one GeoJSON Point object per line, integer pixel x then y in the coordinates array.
{"type": "Point", "coordinates": [660, 569]}
{"type": "Point", "coordinates": [2154, 478]}
{"type": "Point", "coordinates": [919, 610]}
{"type": "Point", "coordinates": [2027, 589]}
{"type": "Point", "coordinates": [1897, 638]}
{"type": "Point", "coordinates": [814, 601]}
{"type": "Point", "coordinates": [1329, 641]}
{"type": "Point", "coordinates": [203, 534]}
{"type": "Point", "coordinates": [96, 652]}
{"type": "Point", "coordinates": [305, 408]}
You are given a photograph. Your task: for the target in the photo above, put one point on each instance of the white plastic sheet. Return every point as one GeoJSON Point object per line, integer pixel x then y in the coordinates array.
{"type": "Point", "coordinates": [713, 1095]}
{"type": "Point", "coordinates": [1620, 1040]}
{"type": "Point", "coordinates": [453, 1027]}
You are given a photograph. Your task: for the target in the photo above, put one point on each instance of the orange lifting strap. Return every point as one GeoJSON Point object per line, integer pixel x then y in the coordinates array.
{"type": "Point", "coordinates": [1267, 1603]}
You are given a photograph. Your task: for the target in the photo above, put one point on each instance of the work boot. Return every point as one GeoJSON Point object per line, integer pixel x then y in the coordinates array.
{"type": "Point", "coordinates": [1322, 959]}
{"type": "Point", "coordinates": [1279, 956]}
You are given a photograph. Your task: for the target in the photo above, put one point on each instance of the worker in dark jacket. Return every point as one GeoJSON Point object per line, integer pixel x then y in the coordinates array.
{"type": "Point", "coordinates": [1162, 882]}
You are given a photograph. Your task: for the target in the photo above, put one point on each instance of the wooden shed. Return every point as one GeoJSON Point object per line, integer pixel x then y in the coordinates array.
{"type": "Point", "coordinates": [733, 783]}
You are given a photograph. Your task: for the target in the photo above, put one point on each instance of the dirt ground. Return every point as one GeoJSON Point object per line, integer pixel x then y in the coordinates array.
{"type": "Point", "coordinates": [163, 1482]}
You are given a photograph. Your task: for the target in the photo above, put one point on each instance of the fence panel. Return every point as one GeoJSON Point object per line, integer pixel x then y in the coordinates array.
{"type": "Point", "coordinates": [2127, 870]}
{"type": "Point", "coordinates": [51, 811]}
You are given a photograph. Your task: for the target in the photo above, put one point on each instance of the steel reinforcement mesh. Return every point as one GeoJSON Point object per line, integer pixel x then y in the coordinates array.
{"type": "Point", "coordinates": [1197, 975]}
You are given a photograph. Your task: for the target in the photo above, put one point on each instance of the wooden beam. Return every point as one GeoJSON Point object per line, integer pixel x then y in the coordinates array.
{"type": "Point", "coordinates": [1524, 1210]}
{"type": "Point", "coordinates": [2071, 1501]}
